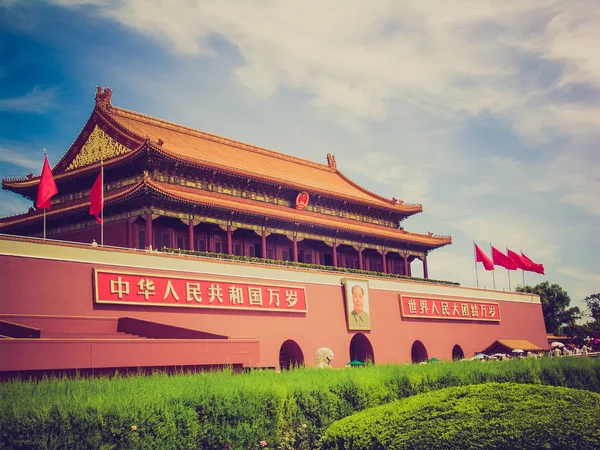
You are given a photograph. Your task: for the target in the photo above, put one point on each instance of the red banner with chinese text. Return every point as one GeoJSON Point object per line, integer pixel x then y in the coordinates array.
{"type": "Point", "coordinates": [434, 308]}
{"type": "Point", "coordinates": [159, 290]}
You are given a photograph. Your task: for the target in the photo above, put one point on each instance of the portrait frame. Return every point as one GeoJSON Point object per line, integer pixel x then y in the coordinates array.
{"type": "Point", "coordinates": [357, 321]}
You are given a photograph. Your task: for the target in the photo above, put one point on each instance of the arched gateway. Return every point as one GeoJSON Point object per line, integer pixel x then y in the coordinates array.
{"type": "Point", "coordinates": [457, 352]}
{"type": "Point", "coordinates": [418, 352]}
{"type": "Point", "coordinates": [361, 349]}
{"type": "Point", "coordinates": [290, 355]}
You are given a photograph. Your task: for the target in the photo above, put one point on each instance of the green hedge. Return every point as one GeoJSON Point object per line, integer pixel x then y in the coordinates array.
{"type": "Point", "coordinates": [222, 410]}
{"type": "Point", "coordinates": [492, 415]}
{"type": "Point", "coordinates": [179, 251]}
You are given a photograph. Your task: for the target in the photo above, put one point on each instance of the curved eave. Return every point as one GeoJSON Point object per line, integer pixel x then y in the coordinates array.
{"type": "Point", "coordinates": [98, 116]}
{"type": "Point", "coordinates": [20, 186]}
{"type": "Point", "coordinates": [186, 195]}
{"type": "Point", "coordinates": [406, 210]}
{"type": "Point", "coordinates": [120, 115]}
{"type": "Point", "coordinates": [75, 207]}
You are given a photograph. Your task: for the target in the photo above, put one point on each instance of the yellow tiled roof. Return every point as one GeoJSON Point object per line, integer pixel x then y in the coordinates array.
{"type": "Point", "coordinates": [214, 151]}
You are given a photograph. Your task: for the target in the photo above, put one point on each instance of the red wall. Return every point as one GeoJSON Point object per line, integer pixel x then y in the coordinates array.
{"type": "Point", "coordinates": [49, 287]}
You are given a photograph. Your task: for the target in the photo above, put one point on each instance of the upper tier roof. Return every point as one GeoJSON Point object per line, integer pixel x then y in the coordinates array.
{"type": "Point", "coordinates": [210, 150]}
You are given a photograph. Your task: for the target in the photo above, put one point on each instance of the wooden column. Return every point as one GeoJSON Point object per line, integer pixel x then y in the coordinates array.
{"type": "Point", "coordinates": [405, 257]}
{"type": "Point", "coordinates": [384, 265]}
{"type": "Point", "coordinates": [425, 274]}
{"type": "Point", "coordinates": [229, 244]}
{"type": "Point", "coordinates": [191, 234]}
{"type": "Point", "coordinates": [360, 258]}
{"type": "Point", "coordinates": [264, 243]}
{"type": "Point", "coordinates": [295, 248]}
{"type": "Point", "coordinates": [148, 229]}
{"type": "Point", "coordinates": [129, 233]}
{"type": "Point", "coordinates": [335, 261]}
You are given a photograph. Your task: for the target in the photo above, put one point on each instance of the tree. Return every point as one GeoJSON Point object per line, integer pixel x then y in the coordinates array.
{"type": "Point", "coordinates": [555, 306]}
{"type": "Point", "coordinates": [593, 303]}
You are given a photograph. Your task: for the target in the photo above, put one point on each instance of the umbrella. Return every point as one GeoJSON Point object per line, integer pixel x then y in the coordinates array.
{"type": "Point", "coordinates": [557, 344]}
{"type": "Point", "coordinates": [355, 363]}
{"type": "Point", "coordinates": [479, 356]}
{"type": "Point", "coordinates": [517, 350]}
{"type": "Point", "coordinates": [433, 360]}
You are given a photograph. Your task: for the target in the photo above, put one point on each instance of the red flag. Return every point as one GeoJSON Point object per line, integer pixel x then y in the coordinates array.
{"type": "Point", "coordinates": [518, 260]}
{"type": "Point", "coordinates": [47, 188]}
{"type": "Point", "coordinates": [500, 259]}
{"type": "Point", "coordinates": [97, 198]}
{"type": "Point", "coordinates": [537, 268]}
{"type": "Point", "coordinates": [483, 258]}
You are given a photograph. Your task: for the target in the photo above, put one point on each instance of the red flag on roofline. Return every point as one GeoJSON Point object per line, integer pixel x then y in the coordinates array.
{"type": "Point", "coordinates": [518, 260]}
{"type": "Point", "coordinates": [481, 257]}
{"type": "Point", "coordinates": [97, 198]}
{"type": "Point", "coordinates": [500, 259]}
{"type": "Point", "coordinates": [47, 188]}
{"type": "Point", "coordinates": [534, 267]}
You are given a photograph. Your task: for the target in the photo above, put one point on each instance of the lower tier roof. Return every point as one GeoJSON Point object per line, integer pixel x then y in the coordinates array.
{"type": "Point", "coordinates": [195, 197]}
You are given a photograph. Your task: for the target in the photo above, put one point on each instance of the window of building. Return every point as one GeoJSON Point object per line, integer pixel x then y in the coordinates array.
{"type": "Point", "coordinates": [200, 244]}
{"type": "Point", "coordinates": [162, 238]}
{"type": "Point", "coordinates": [182, 241]}
{"type": "Point", "coordinates": [141, 239]}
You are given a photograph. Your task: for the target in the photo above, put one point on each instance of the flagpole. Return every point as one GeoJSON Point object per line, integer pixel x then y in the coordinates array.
{"type": "Point", "coordinates": [508, 271]}
{"type": "Point", "coordinates": [523, 270]}
{"type": "Point", "coordinates": [44, 207]}
{"type": "Point", "coordinates": [493, 276]}
{"type": "Point", "coordinates": [102, 203]}
{"type": "Point", "coordinates": [475, 255]}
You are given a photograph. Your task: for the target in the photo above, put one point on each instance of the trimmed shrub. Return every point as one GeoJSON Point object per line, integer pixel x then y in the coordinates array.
{"type": "Point", "coordinates": [217, 410]}
{"type": "Point", "coordinates": [492, 415]}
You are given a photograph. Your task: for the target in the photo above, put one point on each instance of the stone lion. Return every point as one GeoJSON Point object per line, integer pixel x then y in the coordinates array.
{"type": "Point", "coordinates": [323, 358]}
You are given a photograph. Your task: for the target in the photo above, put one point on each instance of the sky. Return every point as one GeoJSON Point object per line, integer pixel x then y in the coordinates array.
{"type": "Point", "coordinates": [487, 113]}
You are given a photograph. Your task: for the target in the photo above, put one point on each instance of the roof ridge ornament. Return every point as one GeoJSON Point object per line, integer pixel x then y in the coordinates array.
{"type": "Point", "coordinates": [103, 97]}
{"type": "Point", "coordinates": [331, 162]}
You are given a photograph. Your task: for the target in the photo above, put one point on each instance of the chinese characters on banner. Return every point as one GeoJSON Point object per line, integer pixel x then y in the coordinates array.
{"type": "Point", "coordinates": [159, 290]}
{"type": "Point", "coordinates": [433, 308]}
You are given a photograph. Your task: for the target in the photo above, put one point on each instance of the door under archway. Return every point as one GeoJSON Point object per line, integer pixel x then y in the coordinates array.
{"type": "Point", "coordinates": [290, 355]}
{"type": "Point", "coordinates": [418, 352]}
{"type": "Point", "coordinates": [457, 352]}
{"type": "Point", "coordinates": [361, 349]}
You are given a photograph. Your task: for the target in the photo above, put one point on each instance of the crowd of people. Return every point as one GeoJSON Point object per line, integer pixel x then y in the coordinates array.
{"type": "Point", "coordinates": [555, 351]}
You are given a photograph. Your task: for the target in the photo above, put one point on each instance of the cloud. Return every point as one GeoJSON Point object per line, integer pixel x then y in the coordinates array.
{"type": "Point", "coordinates": [582, 274]}
{"type": "Point", "coordinates": [11, 205]}
{"type": "Point", "coordinates": [16, 158]}
{"type": "Point", "coordinates": [355, 58]}
{"type": "Point", "coordinates": [38, 100]}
